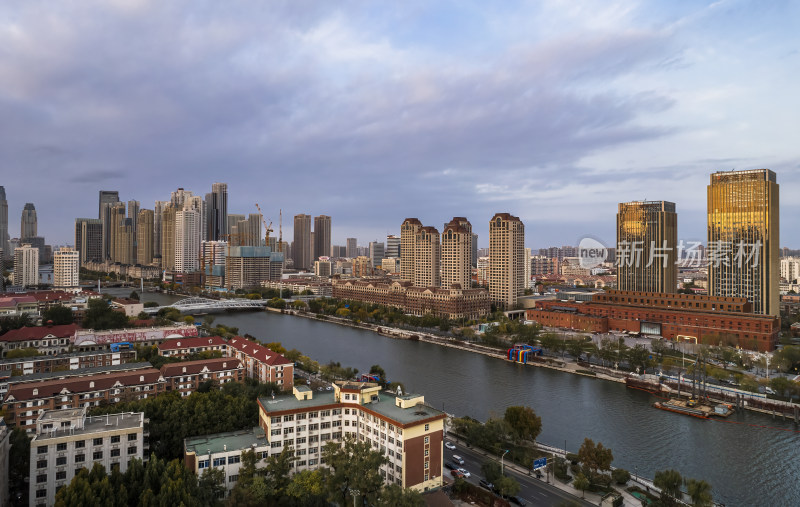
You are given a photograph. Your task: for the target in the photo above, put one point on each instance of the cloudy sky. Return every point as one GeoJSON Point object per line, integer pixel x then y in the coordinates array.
{"type": "Point", "coordinates": [371, 112]}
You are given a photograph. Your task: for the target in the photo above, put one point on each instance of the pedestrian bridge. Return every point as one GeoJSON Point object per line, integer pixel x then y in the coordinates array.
{"type": "Point", "coordinates": [192, 305]}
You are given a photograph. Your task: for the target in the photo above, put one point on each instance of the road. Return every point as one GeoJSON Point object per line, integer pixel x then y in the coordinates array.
{"type": "Point", "coordinates": [532, 490]}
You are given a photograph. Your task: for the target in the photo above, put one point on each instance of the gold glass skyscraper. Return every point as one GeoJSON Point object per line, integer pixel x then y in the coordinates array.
{"type": "Point", "coordinates": [647, 242]}
{"type": "Point", "coordinates": [743, 237]}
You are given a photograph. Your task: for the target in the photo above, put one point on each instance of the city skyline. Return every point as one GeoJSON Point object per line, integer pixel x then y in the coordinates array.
{"type": "Point", "coordinates": [423, 110]}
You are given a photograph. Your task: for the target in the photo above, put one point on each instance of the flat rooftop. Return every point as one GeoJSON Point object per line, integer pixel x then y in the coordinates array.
{"type": "Point", "coordinates": [79, 372]}
{"type": "Point", "coordinates": [111, 422]}
{"type": "Point", "coordinates": [225, 442]}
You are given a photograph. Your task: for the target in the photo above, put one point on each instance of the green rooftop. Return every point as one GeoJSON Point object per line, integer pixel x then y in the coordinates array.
{"type": "Point", "coordinates": [223, 442]}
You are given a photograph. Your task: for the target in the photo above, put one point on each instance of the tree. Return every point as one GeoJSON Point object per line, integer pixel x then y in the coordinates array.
{"type": "Point", "coordinates": [134, 295]}
{"type": "Point", "coordinates": [699, 492]}
{"type": "Point", "coordinates": [595, 459]}
{"type": "Point", "coordinates": [99, 316]}
{"type": "Point", "coordinates": [669, 482]}
{"type": "Point", "coordinates": [307, 487]}
{"type": "Point", "coordinates": [491, 470]}
{"type": "Point", "coordinates": [58, 315]}
{"type": "Point", "coordinates": [575, 349]}
{"type": "Point", "coordinates": [353, 465]}
{"type": "Point", "coordinates": [376, 369]}
{"type": "Point", "coordinates": [507, 486]}
{"type": "Point", "coordinates": [394, 495]}
{"type": "Point", "coordinates": [19, 464]}
{"type": "Point", "coordinates": [26, 352]}
{"type": "Point", "coordinates": [582, 483]}
{"type": "Point", "coordinates": [638, 356]}
{"type": "Point", "coordinates": [524, 423]}
{"type": "Point", "coordinates": [276, 347]}
{"type": "Point", "coordinates": [621, 476]}
{"type": "Point", "coordinates": [279, 466]}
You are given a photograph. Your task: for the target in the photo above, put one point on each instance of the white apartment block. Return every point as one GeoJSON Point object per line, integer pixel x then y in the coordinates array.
{"type": "Point", "coordinates": [187, 241]}
{"type": "Point", "coordinates": [224, 451]}
{"type": "Point", "coordinates": [790, 268]}
{"type": "Point", "coordinates": [68, 440]}
{"type": "Point", "coordinates": [26, 266]}
{"type": "Point", "coordinates": [66, 267]}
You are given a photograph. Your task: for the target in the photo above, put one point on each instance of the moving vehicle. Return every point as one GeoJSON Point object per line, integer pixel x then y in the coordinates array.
{"type": "Point", "coordinates": [457, 474]}
{"type": "Point", "coordinates": [458, 459]}
{"type": "Point", "coordinates": [486, 484]}
{"type": "Point", "coordinates": [450, 445]}
{"type": "Point", "coordinates": [516, 500]}
{"type": "Point", "coordinates": [464, 471]}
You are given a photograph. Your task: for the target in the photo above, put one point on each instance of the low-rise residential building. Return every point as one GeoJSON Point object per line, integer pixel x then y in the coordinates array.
{"type": "Point", "coordinates": [48, 340]}
{"type": "Point", "coordinates": [316, 286]}
{"type": "Point", "coordinates": [25, 401]}
{"type": "Point", "coordinates": [451, 303]}
{"type": "Point", "coordinates": [11, 306]}
{"type": "Point", "coordinates": [62, 362]}
{"type": "Point", "coordinates": [186, 377]}
{"type": "Point", "coordinates": [183, 347]}
{"type": "Point", "coordinates": [261, 363]}
{"type": "Point", "coordinates": [224, 451]}
{"type": "Point", "coordinates": [405, 429]}
{"type": "Point", "coordinates": [68, 440]}
{"type": "Point", "coordinates": [131, 307]}
{"type": "Point", "coordinates": [93, 340]}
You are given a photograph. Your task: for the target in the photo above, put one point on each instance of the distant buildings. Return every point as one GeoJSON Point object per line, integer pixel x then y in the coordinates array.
{"type": "Point", "coordinates": [743, 238]}
{"type": "Point", "coordinates": [5, 252]}
{"type": "Point", "coordinates": [506, 262]}
{"type": "Point", "coordinates": [301, 249]}
{"type": "Point", "coordinates": [456, 254]}
{"type": "Point", "coordinates": [322, 237]}
{"type": "Point", "coordinates": [187, 241]}
{"type": "Point", "coordinates": [408, 238]}
{"type": "Point", "coordinates": [89, 239]}
{"type": "Point", "coordinates": [144, 237]}
{"type": "Point", "coordinates": [790, 268]}
{"type": "Point", "coordinates": [66, 268]}
{"type": "Point", "coordinates": [647, 246]}
{"type": "Point", "coordinates": [393, 246]}
{"type": "Point", "coordinates": [217, 209]}
{"type": "Point", "coordinates": [427, 257]}
{"type": "Point", "coordinates": [26, 266]}
{"type": "Point", "coordinates": [248, 266]}
{"type": "Point", "coordinates": [351, 250]}
{"type": "Point", "coordinates": [376, 253]}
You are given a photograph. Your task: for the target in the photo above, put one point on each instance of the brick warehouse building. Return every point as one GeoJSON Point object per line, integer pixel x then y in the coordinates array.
{"type": "Point", "coordinates": [709, 319]}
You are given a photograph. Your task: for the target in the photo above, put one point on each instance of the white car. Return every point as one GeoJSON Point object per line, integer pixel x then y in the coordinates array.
{"type": "Point", "coordinates": [450, 445]}
{"type": "Point", "coordinates": [464, 471]}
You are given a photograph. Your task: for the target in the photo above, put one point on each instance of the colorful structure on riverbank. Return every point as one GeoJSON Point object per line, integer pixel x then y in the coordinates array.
{"type": "Point", "coordinates": [522, 353]}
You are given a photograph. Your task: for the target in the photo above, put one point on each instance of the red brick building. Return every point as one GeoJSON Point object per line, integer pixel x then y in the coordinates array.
{"type": "Point", "coordinates": [182, 347]}
{"type": "Point", "coordinates": [709, 319]}
{"type": "Point", "coordinates": [261, 363]}
{"type": "Point", "coordinates": [47, 339]}
{"type": "Point", "coordinates": [187, 376]}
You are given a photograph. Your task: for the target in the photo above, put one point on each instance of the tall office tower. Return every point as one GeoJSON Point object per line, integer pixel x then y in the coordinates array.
{"type": "Point", "coordinates": [427, 252]}
{"type": "Point", "coordinates": [124, 242]}
{"type": "Point", "coordinates": [29, 224]}
{"type": "Point", "coordinates": [168, 213]}
{"type": "Point", "coordinates": [106, 197]}
{"type": "Point", "coordinates": [457, 253]}
{"type": "Point", "coordinates": [196, 203]}
{"type": "Point", "coordinates": [116, 220]}
{"type": "Point", "coordinates": [178, 197]}
{"type": "Point", "coordinates": [408, 236]}
{"type": "Point", "coordinates": [322, 237]}
{"type": "Point", "coordinates": [527, 271]}
{"type": "Point", "coordinates": [66, 267]}
{"type": "Point", "coordinates": [647, 246]}
{"type": "Point", "coordinates": [26, 266]}
{"type": "Point", "coordinates": [249, 230]}
{"type": "Point", "coordinates": [474, 250]}
{"type": "Point", "coordinates": [743, 238]}
{"type": "Point", "coordinates": [187, 241]}
{"type": "Point", "coordinates": [217, 204]}
{"type": "Point", "coordinates": [4, 237]}
{"type": "Point", "coordinates": [301, 250]}
{"type": "Point", "coordinates": [351, 250]}
{"type": "Point", "coordinates": [506, 260]}
{"type": "Point", "coordinates": [157, 210]}
{"type": "Point", "coordinates": [376, 253]}
{"type": "Point", "coordinates": [144, 237]}
{"type": "Point", "coordinates": [393, 246]}
{"type": "Point", "coordinates": [89, 239]}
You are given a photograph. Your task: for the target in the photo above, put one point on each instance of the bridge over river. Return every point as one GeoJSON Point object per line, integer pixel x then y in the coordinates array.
{"type": "Point", "coordinates": [195, 305]}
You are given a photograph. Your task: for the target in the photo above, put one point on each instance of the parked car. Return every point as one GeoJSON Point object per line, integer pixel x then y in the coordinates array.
{"type": "Point", "coordinates": [486, 484]}
{"type": "Point", "coordinates": [457, 474]}
{"type": "Point", "coordinates": [451, 466]}
{"type": "Point", "coordinates": [516, 500]}
{"type": "Point", "coordinates": [450, 445]}
{"type": "Point", "coordinates": [464, 471]}
{"type": "Point", "coordinates": [458, 459]}
{"type": "Point", "coordinates": [769, 390]}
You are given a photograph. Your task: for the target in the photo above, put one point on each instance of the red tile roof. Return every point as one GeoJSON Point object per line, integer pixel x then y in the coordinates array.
{"type": "Point", "coordinates": [76, 385]}
{"type": "Point", "coordinates": [15, 300]}
{"type": "Point", "coordinates": [195, 367]}
{"type": "Point", "coordinates": [39, 332]}
{"type": "Point", "coordinates": [257, 351]}
{"type": "Point", "coordinates": [189, 343]}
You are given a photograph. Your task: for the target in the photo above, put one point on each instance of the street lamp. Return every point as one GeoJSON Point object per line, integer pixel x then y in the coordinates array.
{"type": "Point", "coordinates": [354, 493]}
{"type": "Point", "coordinates": [501, 461]}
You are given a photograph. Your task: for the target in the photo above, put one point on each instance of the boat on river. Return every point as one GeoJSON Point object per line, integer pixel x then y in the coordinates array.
{"type": "Point", "coordinates": [694, 409]}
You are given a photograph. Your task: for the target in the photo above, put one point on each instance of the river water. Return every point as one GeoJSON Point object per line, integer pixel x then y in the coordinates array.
{"type": "Point", "coordinates": [750, 459]}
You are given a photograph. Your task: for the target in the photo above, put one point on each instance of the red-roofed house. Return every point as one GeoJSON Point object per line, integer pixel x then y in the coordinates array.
{"type": "Point", "coordinates": [17, 305]}
{"type": "Point", "coordinates": [261, 363]}
{"type": "Point", "coordinates": [182, 347]}
{"type": "Point", "coordinates": [187, 376]}
{"type": "Point", "coordinates": [25, 401]}
{"type": "Point", "coordinates": [49, 340]}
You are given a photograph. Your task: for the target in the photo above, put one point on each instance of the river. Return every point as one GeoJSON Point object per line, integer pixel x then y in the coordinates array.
{"type": "Point", "coordinates": [750, 459]}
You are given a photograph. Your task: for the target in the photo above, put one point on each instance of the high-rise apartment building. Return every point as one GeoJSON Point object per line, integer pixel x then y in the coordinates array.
{"type": "Point", "coordinates": [474, 250]}
{"type": "Point", "coordinates": [393, 246]}
{"type": "Point", "coordinates": [322, 236]}
{"type": "Point", "coordinates": [187, 241]}
{"type": "Point", "coordinates": [408, 238]}
{"type": "Point", "coordinates": [214, 252]}
{"type": "Point", "coordinates": [743, 238]}
{"type": "Point", "coordinates": [26, 266]}
{"type": "Point", "coordinates": [248, 232]}
{"type": "Point", "coordinates": [527, 270]}
{"type": "Point", "coordinates": [457, 253]}
{"type": "Point", "coordinates": [28, 223]}
{"type": "Point", "coordinates": [248, 266]}
{"type": "Point", "coordinates": [790, 269]}
{"type": "Point", "coordinates": [144, 237]}
{"type": "Point", "coordinates": [217, 206]}
{"type": "Point", "coordinates": [178, 197]}
{"type": "Point", "coordinates": [196, 203]}
{"type": "Point", "coordinates": [66, 267]}
{"type": "Point", "coordinates": [108, 199]}
{"type": "Point", "coordinates": [89, 239]}
{"type": "Point", "coordinates": [4, 237]}
{"type": "Point", "coordinates": [647, 247]}
{"type": "Point", "coordinates": [168, 213]}
{"type": "Point", "coordinates": [157, 210]}
{"type": "Point", "coordinates": [351, 250]}
{"type": "Point", "coordinates": [427, 253]}
{"type": "Point", "coordinates": [233, 220]}
{"type": "Point", "coordinates": [377, 252]}
{"type": "Point", "coordinates": [122, 238]}
{"type": "Point", "coordinates": [301, 250]}
{"type": "Point", "coordinates": [506, 260]}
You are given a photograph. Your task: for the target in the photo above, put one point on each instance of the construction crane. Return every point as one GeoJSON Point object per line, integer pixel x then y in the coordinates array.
{"type": "Point", "coordinates": [267, 227]}
{"type": "Point", "coordinates": [280, 230]}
